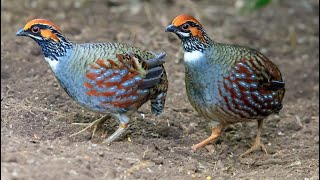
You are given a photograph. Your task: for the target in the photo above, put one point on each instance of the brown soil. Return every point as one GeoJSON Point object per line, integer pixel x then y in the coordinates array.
{"type": "Point", "coordinates": [36, 114]}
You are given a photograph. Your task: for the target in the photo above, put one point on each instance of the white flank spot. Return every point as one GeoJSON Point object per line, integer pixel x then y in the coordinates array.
{"type": "Point", "coordinates": [53, 63]}
{"type": "Point", "coordinates": [193, 56]}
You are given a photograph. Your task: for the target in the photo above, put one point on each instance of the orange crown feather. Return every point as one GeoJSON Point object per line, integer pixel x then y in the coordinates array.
{"type": "Point", "coordinates": [41, 21]}
{"type": "Point", "coordinates": [183, 18]}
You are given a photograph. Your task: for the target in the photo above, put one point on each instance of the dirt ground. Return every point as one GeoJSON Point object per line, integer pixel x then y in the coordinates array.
{"type": "Point", "coordinates": [36, 114]}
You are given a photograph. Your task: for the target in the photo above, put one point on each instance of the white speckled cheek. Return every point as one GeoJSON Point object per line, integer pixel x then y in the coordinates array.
{"type": "Point", "coordinates": [193, 56]}
{"type": "Point", "coordinates": [184, 34]}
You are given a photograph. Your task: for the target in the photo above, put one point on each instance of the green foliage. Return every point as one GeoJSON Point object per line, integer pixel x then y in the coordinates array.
{"type": "Point", "coordinates": [251, 5]}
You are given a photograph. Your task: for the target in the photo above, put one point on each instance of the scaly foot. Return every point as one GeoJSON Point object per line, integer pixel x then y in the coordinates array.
{"type": "Point", "coordinates": [122, 128]}
{"type": "Point", "coordinates": [95, 125]}
{"type": "Point", "coordinates": [255, 146]}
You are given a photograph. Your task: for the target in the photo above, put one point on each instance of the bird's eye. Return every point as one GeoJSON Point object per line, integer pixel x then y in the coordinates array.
{"type": "Point", "coordinates": [185, 26]}
{"type": "Point", "coordinates": [35, 29]}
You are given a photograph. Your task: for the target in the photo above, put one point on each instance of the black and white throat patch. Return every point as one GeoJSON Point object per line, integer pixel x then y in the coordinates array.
{"type": "Point", "coordinates": [190, 44]}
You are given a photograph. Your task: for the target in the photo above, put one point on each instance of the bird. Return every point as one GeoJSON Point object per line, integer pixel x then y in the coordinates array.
{"type": "Point", "coordinates": [226, 83]}
{"type": "Point", "coordinates": [110, 78]}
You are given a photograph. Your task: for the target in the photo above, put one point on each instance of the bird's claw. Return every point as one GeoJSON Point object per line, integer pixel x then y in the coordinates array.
{"type": "Point", "coordinates": [116, 134]}
{"type": "Point", "coordinates": [255, 146]}
{"type": "Point", "coordinates": [95, 124]}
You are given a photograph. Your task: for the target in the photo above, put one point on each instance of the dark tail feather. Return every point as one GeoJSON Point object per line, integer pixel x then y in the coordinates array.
{"type": "Point", "coordinates": [155, 70]}
{"type": "Point", "coordinates": [157, 104]}
{"type": "Point", "coordinates": [158, 60]}
{"type": "Point", "coordinates": [156, 79]}
{"type": "Point", "coordinates": [276, 85]}
{"type": "Point", "coordinates": [278, 108]}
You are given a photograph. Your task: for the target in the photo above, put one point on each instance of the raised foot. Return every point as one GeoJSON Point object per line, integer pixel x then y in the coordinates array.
{"type": "Point", "coordinates": [256, 145]}
{"type": "Point", "coordinates": [95, 125]}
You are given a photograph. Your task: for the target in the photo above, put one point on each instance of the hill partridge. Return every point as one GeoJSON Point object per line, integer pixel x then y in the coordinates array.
{"type": "Point", "coordinates": [226, 83]}
{"type": "Point", "coordinates": [109, 78]}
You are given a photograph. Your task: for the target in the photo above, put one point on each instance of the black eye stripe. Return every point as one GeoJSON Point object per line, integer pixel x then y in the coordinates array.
{"type": "Point", "coordinates": [40, 26]}
{"type": "Point", "coordinates": [185, 26]}
{"type": "Point", "coordinates": [184, 30]}
{"type": "Point", "coordinates": [44, 26]}
{"type": "Point", "coordinates": [35, 29]}
{"type": "Point", "coordinates": [190, 24]}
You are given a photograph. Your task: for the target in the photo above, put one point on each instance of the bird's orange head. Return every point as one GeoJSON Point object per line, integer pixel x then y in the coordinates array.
{"type": "Point", "coordinates": [184, 18]}
{"type": "Point", "coordinates": [40, 29]}
{"type": "Point", "coordinates": [48, 36]}
{"type": "Point", "coordinates": [188, 29]}
{"type": "Point", "coordinates": [186, 26]}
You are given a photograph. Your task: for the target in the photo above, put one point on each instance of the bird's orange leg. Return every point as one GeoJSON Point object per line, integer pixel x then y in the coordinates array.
{"type": "Point", "coordinates": [216, 131]}
{"type": "Point", "coordinates": [257, 144]}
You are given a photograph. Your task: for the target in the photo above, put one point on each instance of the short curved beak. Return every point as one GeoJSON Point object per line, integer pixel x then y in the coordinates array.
{"type": "Point", "coordinates": [171, 28]}
{"type": "Point", "coordinates": [21, 32]}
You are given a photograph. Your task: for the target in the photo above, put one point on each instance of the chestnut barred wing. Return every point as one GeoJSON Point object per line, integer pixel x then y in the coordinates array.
{"type": "Point", "coordinates": [123, 81]}
{"type": "Point", "coordinates": [253, 88]}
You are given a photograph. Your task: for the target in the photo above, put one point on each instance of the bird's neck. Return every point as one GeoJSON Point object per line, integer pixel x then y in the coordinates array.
{"type": "Point", "coordinates": [194, 57]}
{"type": "Point", "coordinates": [191, 44]}
{"type": "Point", "coordinates": [201, 57]}
{"type": "Point", "coordinates": [196, 50]}
{"type": "Point", "coordinates": [55, 50]}
{"type": "Point", "coordinates": [216, 58]}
